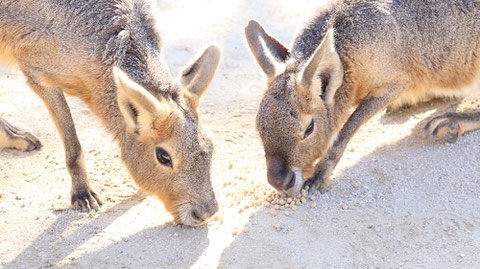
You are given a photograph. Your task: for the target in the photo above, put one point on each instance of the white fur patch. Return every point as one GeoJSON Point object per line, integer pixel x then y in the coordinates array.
{"type": "Point", "coordinates": [184, 214]}
{"type": "Point", "coordinates": [298, 182]}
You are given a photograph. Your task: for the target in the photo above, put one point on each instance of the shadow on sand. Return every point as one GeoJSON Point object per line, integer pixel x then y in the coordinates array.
{"type": "Point", "coordinates": [411, 207]}
{"type": "Point", "coordinates": [128, 252]}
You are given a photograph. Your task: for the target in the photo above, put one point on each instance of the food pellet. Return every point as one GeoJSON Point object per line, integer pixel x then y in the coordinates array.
{"type": "Point", "coordinates": [287, 205]}
{"type": "Point", "coordinates": [344, 207]}
{"type": "Point", "coordinates": [354, 185]}
{"type": "Point", "coordinates": [282, 208]}
{"type": "Point", "coordinates": [266, 204]}
{"type": "Point", "coordinates": [276, 226]}
{"type": "Point", "coordinates": [313, 205]}
{"type": "Point", "coordinates": [276, 207]}
{"type": "Point", "coordinates": [304, 201]}
{"type": "Point", "coordinates": [298, 203]}
{"type": "Point", "coordinates": [252, 214]}
{"type": "Point", "coordinates": [281, 202]}
{"type": "Point", "coordinates": [312, 197]}
{"type": "Point", "coordinates": [230, 166]}
{"type": "Point", "coordinates": [245, 229]}
{"type": "Point", "coordinates": [289, 200]}
{"type": "Point", "coordinates": [294, 207]}
{"type": "Point", "coordinates": [235, 232]}
{"type": "Point", "coordinates": [273, 212]}
{"type": "Point", "coordinates": [286, 213]}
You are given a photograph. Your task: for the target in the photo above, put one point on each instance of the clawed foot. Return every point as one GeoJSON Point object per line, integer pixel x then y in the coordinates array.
{"type": "Point", "coordinates": [319, 183]}
{"type": "Point", "coordinates": [321, 180]}
{"type": "Point", "coordinates": [85, 199]}
{"type": "Point", "coordinates": [16, 138]}
{"type": "Point", "coordinates": [443, 127]}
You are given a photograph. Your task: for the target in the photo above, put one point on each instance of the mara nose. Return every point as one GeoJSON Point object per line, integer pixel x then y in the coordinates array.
{"type": "Point", "coordinates": [279, 175]}
{"type": "Point", "coordinates": [204, 212]}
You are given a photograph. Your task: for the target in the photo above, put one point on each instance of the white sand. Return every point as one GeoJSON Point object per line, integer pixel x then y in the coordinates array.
{"type": "Point", "coordinates": [416, 205]}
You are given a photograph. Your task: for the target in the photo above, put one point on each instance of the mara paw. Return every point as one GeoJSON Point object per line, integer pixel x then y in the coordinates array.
{"type": "Point", "coordinates": [319, 183]}
{"type": "Point", "coordinates": [85, 199]}
{"type": "Point", "coordinates": [14, 138]}
{"type": "Point", "coordinates": [445, 128]}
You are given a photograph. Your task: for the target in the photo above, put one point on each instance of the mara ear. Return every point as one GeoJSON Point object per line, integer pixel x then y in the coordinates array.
{"type": "Point", "coordinates": [270, 54]}
{"type": "Point", "coordinates": [144, 115]}
{"type": "Point", "coordinates": [197, 76]}
{"type": "Point", "coordinates": [323, 73]}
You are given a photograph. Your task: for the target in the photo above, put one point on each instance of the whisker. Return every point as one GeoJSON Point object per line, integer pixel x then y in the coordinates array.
{"type": "Point", "coordinates": [180, 210]}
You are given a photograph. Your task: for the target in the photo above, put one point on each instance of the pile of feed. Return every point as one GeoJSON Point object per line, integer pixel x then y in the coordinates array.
{"type": "Point", "coordinates": [250, 196]}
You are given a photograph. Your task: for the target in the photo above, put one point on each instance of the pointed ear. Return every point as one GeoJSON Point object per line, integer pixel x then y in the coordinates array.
{"type": "Point", "coordinates": [270, 54]}
{"type": "Point", "coordinates": [196, 77]}
{"type": "Point", "coordinates": [143, 113]}
{"type": "Point", "coordinates": [323, 73]}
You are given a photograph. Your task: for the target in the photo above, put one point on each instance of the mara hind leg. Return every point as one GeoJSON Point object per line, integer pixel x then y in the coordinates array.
{"type": "Point", "coordinates": [82, 195]}
{"type": "Point", "coordinates": [14, 138]}
{"type": "Point", "coordinates": [450, 126]}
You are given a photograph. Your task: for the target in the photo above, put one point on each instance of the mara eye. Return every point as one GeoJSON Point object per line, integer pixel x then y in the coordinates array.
{"type": "Point", "coordinates": [309, 130]}
{"type": "Point", "coordinates": [163, 157]}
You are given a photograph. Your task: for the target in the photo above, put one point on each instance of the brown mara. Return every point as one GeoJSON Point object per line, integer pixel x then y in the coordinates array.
{"type": "Point", "coordinates": [348, 62]}
{"type": "Point", "coordinates": [108, 53]}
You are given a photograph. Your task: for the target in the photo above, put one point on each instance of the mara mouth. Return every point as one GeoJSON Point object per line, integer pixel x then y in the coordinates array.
{"type": "Point", "coordinates": [296, 183]}
{"type": "Point", "coordinates": [184, 213]}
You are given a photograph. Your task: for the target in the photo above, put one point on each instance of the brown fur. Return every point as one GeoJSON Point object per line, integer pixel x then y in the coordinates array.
{"type": "Point", "coordinates": [107, 53]}
{"type": "Point", "coordinates": [391, 53]}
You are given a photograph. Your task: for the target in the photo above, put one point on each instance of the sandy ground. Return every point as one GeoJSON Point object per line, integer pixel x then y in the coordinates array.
{"type": "Point", "coordinates": [416, 205]}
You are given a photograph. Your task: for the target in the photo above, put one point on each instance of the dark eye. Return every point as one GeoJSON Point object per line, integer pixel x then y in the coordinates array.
{"type": "Point", "coordinates": [163, 157]}
{"type": "Point", "coordinates": [309, 129]}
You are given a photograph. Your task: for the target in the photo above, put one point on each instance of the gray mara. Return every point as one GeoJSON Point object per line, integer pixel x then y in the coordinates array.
{"type": "Point", "coordinates": [348, 62]}
{"type": "Point", "coordinates": [108, 53]}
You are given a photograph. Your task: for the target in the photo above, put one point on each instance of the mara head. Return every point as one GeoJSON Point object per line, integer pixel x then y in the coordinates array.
{"type": "Point", "coordinates": [166, 149]}
{"type": "Point", "coordinates": [294, 118]}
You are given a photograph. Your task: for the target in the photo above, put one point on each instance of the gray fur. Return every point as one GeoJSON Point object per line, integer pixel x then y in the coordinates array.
{"type": "Point", "coordinates": [392, 52]}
